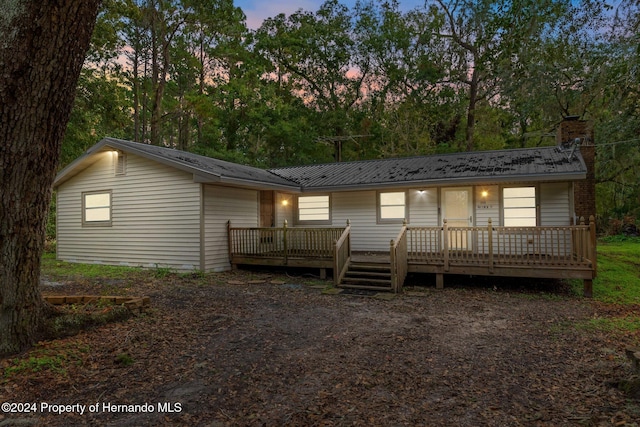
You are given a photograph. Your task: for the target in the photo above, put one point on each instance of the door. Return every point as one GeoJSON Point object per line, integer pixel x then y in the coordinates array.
{"type": "Point", "coordinates": [457, 209]}
{"type": "Point", "coordinates": [266, 209]}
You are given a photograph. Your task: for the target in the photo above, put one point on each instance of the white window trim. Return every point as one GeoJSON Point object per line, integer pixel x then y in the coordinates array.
{"type": "Point", "coordinates": [106, 223]}
{"type": "Point", "coordinates": [381, 220]}
{"type": "Point", "coordinates": [298, 221]}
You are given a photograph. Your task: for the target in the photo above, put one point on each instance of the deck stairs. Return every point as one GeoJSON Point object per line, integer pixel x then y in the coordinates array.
{"type": "Point", "coordinates": [369, 275]}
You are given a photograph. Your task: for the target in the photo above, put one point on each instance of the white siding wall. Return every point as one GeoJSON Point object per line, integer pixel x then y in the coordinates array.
{"type": "Point", "coordinates": [555, 207]}
{"type": "Point", "coordinates": [360, 208]}
{"type": "Point", "coordinates": [367, 235]}
{"type": "Point", "coordinates": [423, 207]}
{"type": "Point", "coordinates": [155, 216]}
{"type": "Point", "coordinates": [222, 204]}
{"type": "Point", "coordinates": [487, 207]}
{"type": "Point", "coordinates": [284, 212]}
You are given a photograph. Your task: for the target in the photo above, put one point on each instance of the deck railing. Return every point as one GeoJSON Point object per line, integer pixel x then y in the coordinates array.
{"type": "Point", "coordinates": [284, 242]}
{"type": "Point", "coordinates": [563, 247]}
{"type": "Point", "coordinates": [566, 250]}
{"type": "Point", "coordinates": [263, 241]}
{"type": "Point", "coordinates": [342, 255]}
{"type": "Point", "coordinates": [398, 255]}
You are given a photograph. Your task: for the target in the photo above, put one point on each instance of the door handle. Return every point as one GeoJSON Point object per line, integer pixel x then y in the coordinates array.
{"type": "Point", "coordinates": [470, 219]}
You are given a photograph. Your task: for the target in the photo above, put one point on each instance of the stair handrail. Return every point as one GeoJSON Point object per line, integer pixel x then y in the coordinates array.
{"type": "Point", "coordinates": [398, 255]}
{"type": "Point", "coordinates": [342, 254]}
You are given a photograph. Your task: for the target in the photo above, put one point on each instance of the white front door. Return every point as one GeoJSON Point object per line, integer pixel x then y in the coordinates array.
{"type": "Point", "coordinates": [457, 209]}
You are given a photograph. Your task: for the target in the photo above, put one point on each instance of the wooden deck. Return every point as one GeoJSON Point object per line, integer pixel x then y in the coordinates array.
{"type": "Point", "coordinates": [545, 252]}
{"type": "Point", "coordinates": [290, 246]}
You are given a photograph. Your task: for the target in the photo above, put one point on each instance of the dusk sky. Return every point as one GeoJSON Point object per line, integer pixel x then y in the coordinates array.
{"type": "Point", "coordinates": [258, 10]}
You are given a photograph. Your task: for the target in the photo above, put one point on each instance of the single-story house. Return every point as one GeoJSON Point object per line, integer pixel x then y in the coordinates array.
{"type": "Point", "coordinates": [127, 203]}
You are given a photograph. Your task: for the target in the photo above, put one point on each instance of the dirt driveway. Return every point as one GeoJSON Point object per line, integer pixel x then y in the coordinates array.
{"type": "Point", "coordinates": [264, 354]}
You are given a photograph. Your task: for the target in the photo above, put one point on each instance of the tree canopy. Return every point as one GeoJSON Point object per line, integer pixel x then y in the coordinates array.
{"type": "Point", "coordinates": [367, 81]}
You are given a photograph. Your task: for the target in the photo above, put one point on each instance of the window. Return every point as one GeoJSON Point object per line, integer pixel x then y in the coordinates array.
{"type": "Point", "coordinates": [392, 206]}
{"type": "Point", "coordinates": [519, 206]}
{"type": "Point", "coordinates": [96, 208]}
{"type": "Point", "coordinates": [314, 209]}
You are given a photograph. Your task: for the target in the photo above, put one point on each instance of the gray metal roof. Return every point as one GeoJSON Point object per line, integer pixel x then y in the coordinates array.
{"type": "Point", "coordinates": [527, 164]}
{"type": "Point", "coordinates": [205, 169]}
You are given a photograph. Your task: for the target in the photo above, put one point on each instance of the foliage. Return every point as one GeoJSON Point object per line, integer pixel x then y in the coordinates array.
{"type": "Point", "coordinates": [620, 238]}
{"type": "Point", "coordinates": [366, 81]}
{"type": "Point", "coordinates": [124, 359]}
{"type": "Point", "coordinates": [46, 356]}
{"type": "Point", "coordinates": [55, 269]}
{"type": "Point", "coordinates": [612, 324]}
{"type": "Point", "coordinates": [100, 109]}
{"type": "Point", "coordinates": [161, 272]}
{"type": "Point", "coordinates": [72, 319]}
{"type": "Point", "coordinates": [618, 278]}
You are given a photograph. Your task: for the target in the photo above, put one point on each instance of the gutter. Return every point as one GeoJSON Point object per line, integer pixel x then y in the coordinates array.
{"type": "Point", "coordinates": [572, 176]}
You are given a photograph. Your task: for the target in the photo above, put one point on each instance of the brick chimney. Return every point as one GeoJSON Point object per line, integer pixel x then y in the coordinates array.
{"type": "Point", "coordinates": [570, 130]}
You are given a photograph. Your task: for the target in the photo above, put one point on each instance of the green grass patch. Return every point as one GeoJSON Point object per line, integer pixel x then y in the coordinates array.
{"type": "Point", "coordinates": [71, 319]}
{"type": "Point", "coordinates": [68, 270]}
{"type": "Point", "coordinates": [618, 278]}
{"type": "Point", "coordinates": [50, 356]}
{"type": "Point", "coordinates": [124, 359]}
{"type": "Point", "coordinates": [611, 324]}
{"type": "Point", "coordinates": [161, 272]}
{"type": "Point", "coordinates": [619, 238]}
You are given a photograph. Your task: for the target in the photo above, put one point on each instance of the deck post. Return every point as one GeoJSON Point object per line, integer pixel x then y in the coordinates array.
{"type": "Point", "coordinates": [439, 281]}
{"type": "Point", "coordinates": [229, 245]}
{"type": "Point", "coordinates": [593, 253]}
{"type": "Point", "coordinates": [583, 242]}
{"type": "Point", "coordinates": [490, 243]}
{"type": "Point", "coordinates": [394, 271]}
{"type": "Point", "coordinates": [349, 240]}
{"type": "Point", "coordinates": [588, 288]}
{"type": "Point", "coordinates": [284, 242]}
{"type": "Point", "coordinates": [336, 264]}
{"type": "Point", "coordinates": [445, 239]}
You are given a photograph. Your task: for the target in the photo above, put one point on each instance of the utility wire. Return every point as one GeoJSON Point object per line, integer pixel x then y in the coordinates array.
{"type": "Point", "coordinates": [618, 142]}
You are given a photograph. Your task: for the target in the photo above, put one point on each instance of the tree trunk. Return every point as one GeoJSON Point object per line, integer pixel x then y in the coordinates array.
{"type": "Point", "coordinates": [155, 78]}
{"type": "Point", "coordinates": [471, 111]}
{"type": "Point", "coordinates": [160, 82]}
{"type": "Point", "coordinates": [201, 66]}
{"type": "Point", "coordinates": [183, 124]}
{"type": "Point", "coordinates": [136, 94]}
{"type": "Point", "coordinates": [42, 48]}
